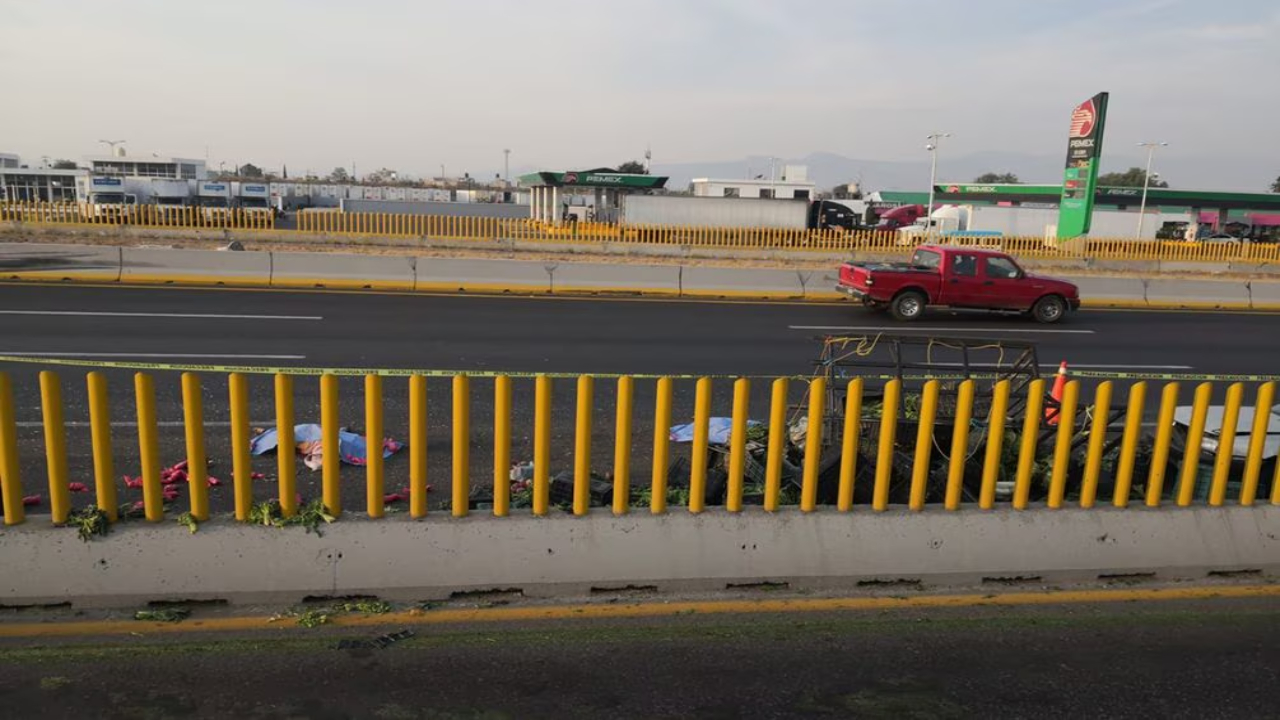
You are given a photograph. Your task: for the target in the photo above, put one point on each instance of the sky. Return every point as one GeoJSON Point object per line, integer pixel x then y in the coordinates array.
{"type": "Point", "coordinates": [414, 85]}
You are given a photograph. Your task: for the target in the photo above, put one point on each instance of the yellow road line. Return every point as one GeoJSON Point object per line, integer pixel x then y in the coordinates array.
{"type": "Point", "coordinates": [645, 610]}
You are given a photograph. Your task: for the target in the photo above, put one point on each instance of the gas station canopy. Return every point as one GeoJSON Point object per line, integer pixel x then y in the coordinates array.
{"type": "Point", "coordinates": [597, 178]}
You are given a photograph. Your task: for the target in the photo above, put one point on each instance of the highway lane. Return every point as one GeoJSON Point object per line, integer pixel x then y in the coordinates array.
{"type": "Point", "coordinates": [512, 334]}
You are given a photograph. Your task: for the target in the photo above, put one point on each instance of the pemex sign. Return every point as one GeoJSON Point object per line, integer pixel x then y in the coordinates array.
{"type": "Point", "coordinates": [1080, 179]}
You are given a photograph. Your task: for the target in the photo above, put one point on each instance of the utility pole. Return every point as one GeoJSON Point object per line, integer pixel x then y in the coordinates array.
{"type": "Point", "coordinates": [932, 147]}
{"type": "Point", "coordinates": [506, 165]}
{"type": "Point", "coordinates": [1146, 182]}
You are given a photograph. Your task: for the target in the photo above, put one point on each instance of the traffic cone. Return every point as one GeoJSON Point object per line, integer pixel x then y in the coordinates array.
{"type": "Point", "coordinates": [1059, 384]}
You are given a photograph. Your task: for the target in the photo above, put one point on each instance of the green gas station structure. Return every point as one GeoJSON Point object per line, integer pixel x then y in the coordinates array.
{"type": "Point", "coordinates": [549, 189]}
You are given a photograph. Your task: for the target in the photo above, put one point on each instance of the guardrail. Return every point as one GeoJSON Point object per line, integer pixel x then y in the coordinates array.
{"type": "Point", "coordinates": [146, 216]}
{"type": "Point", "coordinates": [391, 225]}
{"type": "Point", "coordinates": [947, 445]}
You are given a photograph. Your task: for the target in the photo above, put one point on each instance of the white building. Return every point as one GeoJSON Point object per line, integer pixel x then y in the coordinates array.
{"type": "Point", "coordinates": [9, 160]}
{"type": "Point", "coordinates": [148, 167]}
{"type": "Point", "coordinates": [793, 184]}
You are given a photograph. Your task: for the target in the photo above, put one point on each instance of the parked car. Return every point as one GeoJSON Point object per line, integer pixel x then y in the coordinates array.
{"type": "Point", "coordinates": [958, 277]}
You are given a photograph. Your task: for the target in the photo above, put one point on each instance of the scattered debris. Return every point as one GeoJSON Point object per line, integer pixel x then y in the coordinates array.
{"type": "Point", "coordinates": [720, 430]}
{"type": "Point", "coordinates": [352, 449]}
{"type": "Point", "coordinates": [32, 500]}
{"type": "Point", "coordinates": [382, 642]}
{"type": "Point", "coordinates": [308, 516]}
{"type": "Point", "coordinates": [76, 487]}
{"type": "Point", "coordinates": [189, 521]}
{"type": "Point", "coordinates": [171, 615]}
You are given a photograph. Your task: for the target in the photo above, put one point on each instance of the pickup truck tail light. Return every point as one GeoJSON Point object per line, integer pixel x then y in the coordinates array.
{"type": "Point", "coordinates": [870, 282]}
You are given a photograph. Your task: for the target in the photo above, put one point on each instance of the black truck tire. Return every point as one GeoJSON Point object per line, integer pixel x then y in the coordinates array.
{"type": "Point", "coordinates": [908, 306]}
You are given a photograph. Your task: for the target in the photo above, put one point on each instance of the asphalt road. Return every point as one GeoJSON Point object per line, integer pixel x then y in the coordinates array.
{"type": "Point", "coordinates": [1204, 660]}
{"type": "Point", "coordinates": [516, 334]}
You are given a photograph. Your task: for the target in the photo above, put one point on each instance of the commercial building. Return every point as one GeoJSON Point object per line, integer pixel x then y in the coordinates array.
{"type": "Point", "coordinates": [150, 167]}
{"type": "Point", "coordinates": [19, 184]}
{"type": "Point", "coordinates": [792, 185]}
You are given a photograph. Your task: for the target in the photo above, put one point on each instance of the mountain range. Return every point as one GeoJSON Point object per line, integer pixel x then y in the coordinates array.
{"type": "Point", "coordinates": [827, 170]}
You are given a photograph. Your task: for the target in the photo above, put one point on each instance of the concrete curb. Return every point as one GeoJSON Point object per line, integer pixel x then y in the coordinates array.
{"type": "Point", "coordinates": [402, 560]}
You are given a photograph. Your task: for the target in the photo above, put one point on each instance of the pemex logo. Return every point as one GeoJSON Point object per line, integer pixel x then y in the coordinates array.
{"type": "Point", "coordinates": [1084, 119]}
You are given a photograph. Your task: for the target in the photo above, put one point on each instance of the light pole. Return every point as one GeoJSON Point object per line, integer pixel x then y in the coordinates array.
{"type": "Point", "coordinates": [932, 147]}
{"type": "Point", "coordinates": [506, 165]}
{"type": "Point", "coordinates": [1146, 181]}
{"type": "Point", "coordinates": [112, 144]}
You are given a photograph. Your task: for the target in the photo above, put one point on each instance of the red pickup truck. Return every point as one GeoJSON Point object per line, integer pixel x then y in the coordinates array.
{"type": "Point", "coordinates": [958, 277]}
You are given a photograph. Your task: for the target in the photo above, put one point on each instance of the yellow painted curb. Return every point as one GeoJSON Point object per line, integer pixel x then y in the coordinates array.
{"type": "Point", "coordinates": [643, 610]}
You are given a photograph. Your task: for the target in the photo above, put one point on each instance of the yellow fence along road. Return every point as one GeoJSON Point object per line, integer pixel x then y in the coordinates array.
{"type": "Point", "coordinates": [333, 223]}
{"type": "Point", "coordinates": [938, 462]}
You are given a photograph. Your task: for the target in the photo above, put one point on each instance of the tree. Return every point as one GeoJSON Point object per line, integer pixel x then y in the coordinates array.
{"type": "Point", "coordinates": [633, 167]}
{"type": "Point", "coordinates": [249, 170]}
{"type": "Point", "coordinates": [339, 175]}
{"type": "Point", "coordinates": [64, 164]}
{"type": "Point", "coordinates": [1130, 178]}
{"type": "Point", "coordinates": [998, 179]}
{"type": "Point", "coordinates": [1275, 186]}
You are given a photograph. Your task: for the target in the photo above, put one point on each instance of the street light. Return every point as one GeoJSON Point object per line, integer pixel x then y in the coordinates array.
{"type": "Point", "coordinates": [506, 165]}
{"type": "Point", "coordinates": [932, 147]}
{"type": "Point", "coordinates": [112, 144]}
{"type": "Point", "coordinates": [1146, 181]}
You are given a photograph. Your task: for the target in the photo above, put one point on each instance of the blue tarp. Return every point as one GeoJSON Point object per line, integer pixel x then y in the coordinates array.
{"type": "Point", "coordinates": [351, 447]}
{"type": "Point", "coordinates": [720, 428]}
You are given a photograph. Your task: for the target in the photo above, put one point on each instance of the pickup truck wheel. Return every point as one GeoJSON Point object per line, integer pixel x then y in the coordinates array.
{"type": "Point", "coordinates": [908, 306]}
{"type": "Point", "coordinates": [1049, 309]}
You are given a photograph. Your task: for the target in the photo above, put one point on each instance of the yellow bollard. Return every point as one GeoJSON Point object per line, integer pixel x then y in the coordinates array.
{"type": "Point", "coordinates": [661, 447]}
{"type": "Point", "coordinates": [375, 482]}
{"type": "Point", "coordinates": [1195, 437]}
{"type": "Point", "coordinates": [331, 480]}
{"type": "Point", "coordinates": [813, 444]}
{"type": "Point", "coordinates": [287, 462]}
{"type": "Point", "coordinates": [1129, 444]}
{"type": "Point", "coordinates": [461, 445]}
{"type": "Point", "coordinates": [701, 429]}
{"type": "Point", "coordinates": [924, 445]}
{"type": "Point", "coordinates": [959, 446]}
{"type": "Point", "coordinates": [738, 444]}
{"type": "Point", "coordinates": [622, 447]}
{"type": "Point", "coordinates": [1097, 441]}
{"type": "Point", "coordinates": [1160, 452]}
{"type": "Point", "coordinates": [1257, 439]}
{"type": "Point", "coordinates": [55, 447]}
{"type": "Point", "coordinates": [849, 445]}
{"type": "Point", "coordinates": [104, 476]}
{"type": "Point", "coordinates": [501, 446]}
{"type": "Point", "coordinates": [888, 436]}
{"type": "Point", "coordinates": [1226, 445]}
{"type": "Point", "coordinates": [197, 460]}
{"type": "Point", "coordinates": [995, 445]}
{"type": "Point", "coordinates": [1027, 451]}
{"type": "Point", "coordinates": [777, 445]}
{"type": "Point", "coordinates": [241, 460]}
{"type": "Point", "coordinates": [149, 447]}
{"type": "Point", "coordinates": [582, 448]}
{"type": "Point", "coordinates": [542, 445]}
{"type": "Point", "coordinates": [1062, 449]}
{"type": "Point", "coordinates": [417, 446]}
{"type": "Point", "coordinates": [10, 484]}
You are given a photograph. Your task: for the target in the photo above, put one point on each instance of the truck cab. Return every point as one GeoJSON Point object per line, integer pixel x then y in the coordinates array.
{"type": "Point", "coordinates": [973, 278]}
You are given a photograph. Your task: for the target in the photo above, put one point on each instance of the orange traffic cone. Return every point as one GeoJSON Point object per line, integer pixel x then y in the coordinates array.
{"type": "Point", "coordinates": [1059, 384]}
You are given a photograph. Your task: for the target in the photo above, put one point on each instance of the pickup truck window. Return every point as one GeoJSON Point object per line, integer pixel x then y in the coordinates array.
{"type": "Point", "coordinates": [998, 267]}
{"type": "Point", "coordinates": [926, 259]}
{"type": "Point", "coordinates": [964, 265]}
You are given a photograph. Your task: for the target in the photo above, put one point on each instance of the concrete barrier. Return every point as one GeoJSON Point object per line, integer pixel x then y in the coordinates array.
{"type": "Point", "coordinates": [87, 263]}
{"type": "Point", "coordinates": [1197, 293]}
{"type": "Point", "coordinates": [340, 270]}
{"type": "Point", "coordinates": [1112, 291]}
{"type": "Point", "coordinates": [460, 275]}
{"type": "Point", "coordinates": [195, 267]}
{"type": "Point", "coordinates": [749, 282]}
{"type": "Point", "coordinates": [608, 278]}
{"type": "Point", "coordinates": [402, 560]}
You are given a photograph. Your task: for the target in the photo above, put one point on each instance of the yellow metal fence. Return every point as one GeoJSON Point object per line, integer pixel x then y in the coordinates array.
{"type": "Point", "coordinates": [391, 225]}
{"type": "Point", "coordinates": [146, 215]}
{"type": "Point", "coordinates": [1061, 449]}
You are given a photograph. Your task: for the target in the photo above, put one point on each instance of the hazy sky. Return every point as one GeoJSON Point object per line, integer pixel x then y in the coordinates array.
{"type": "Point", "coordinates": [415, 84]}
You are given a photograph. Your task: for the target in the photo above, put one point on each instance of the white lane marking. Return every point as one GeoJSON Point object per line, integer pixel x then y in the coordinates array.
{"type": "Point", "coordinates": [199, 316]}
{"type": "Point", "coordinates": [187, 356]}
{"type": "Point", "coordinates": [1076, 366]}
{"type": "Point", "coordinates": [898, 328]}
